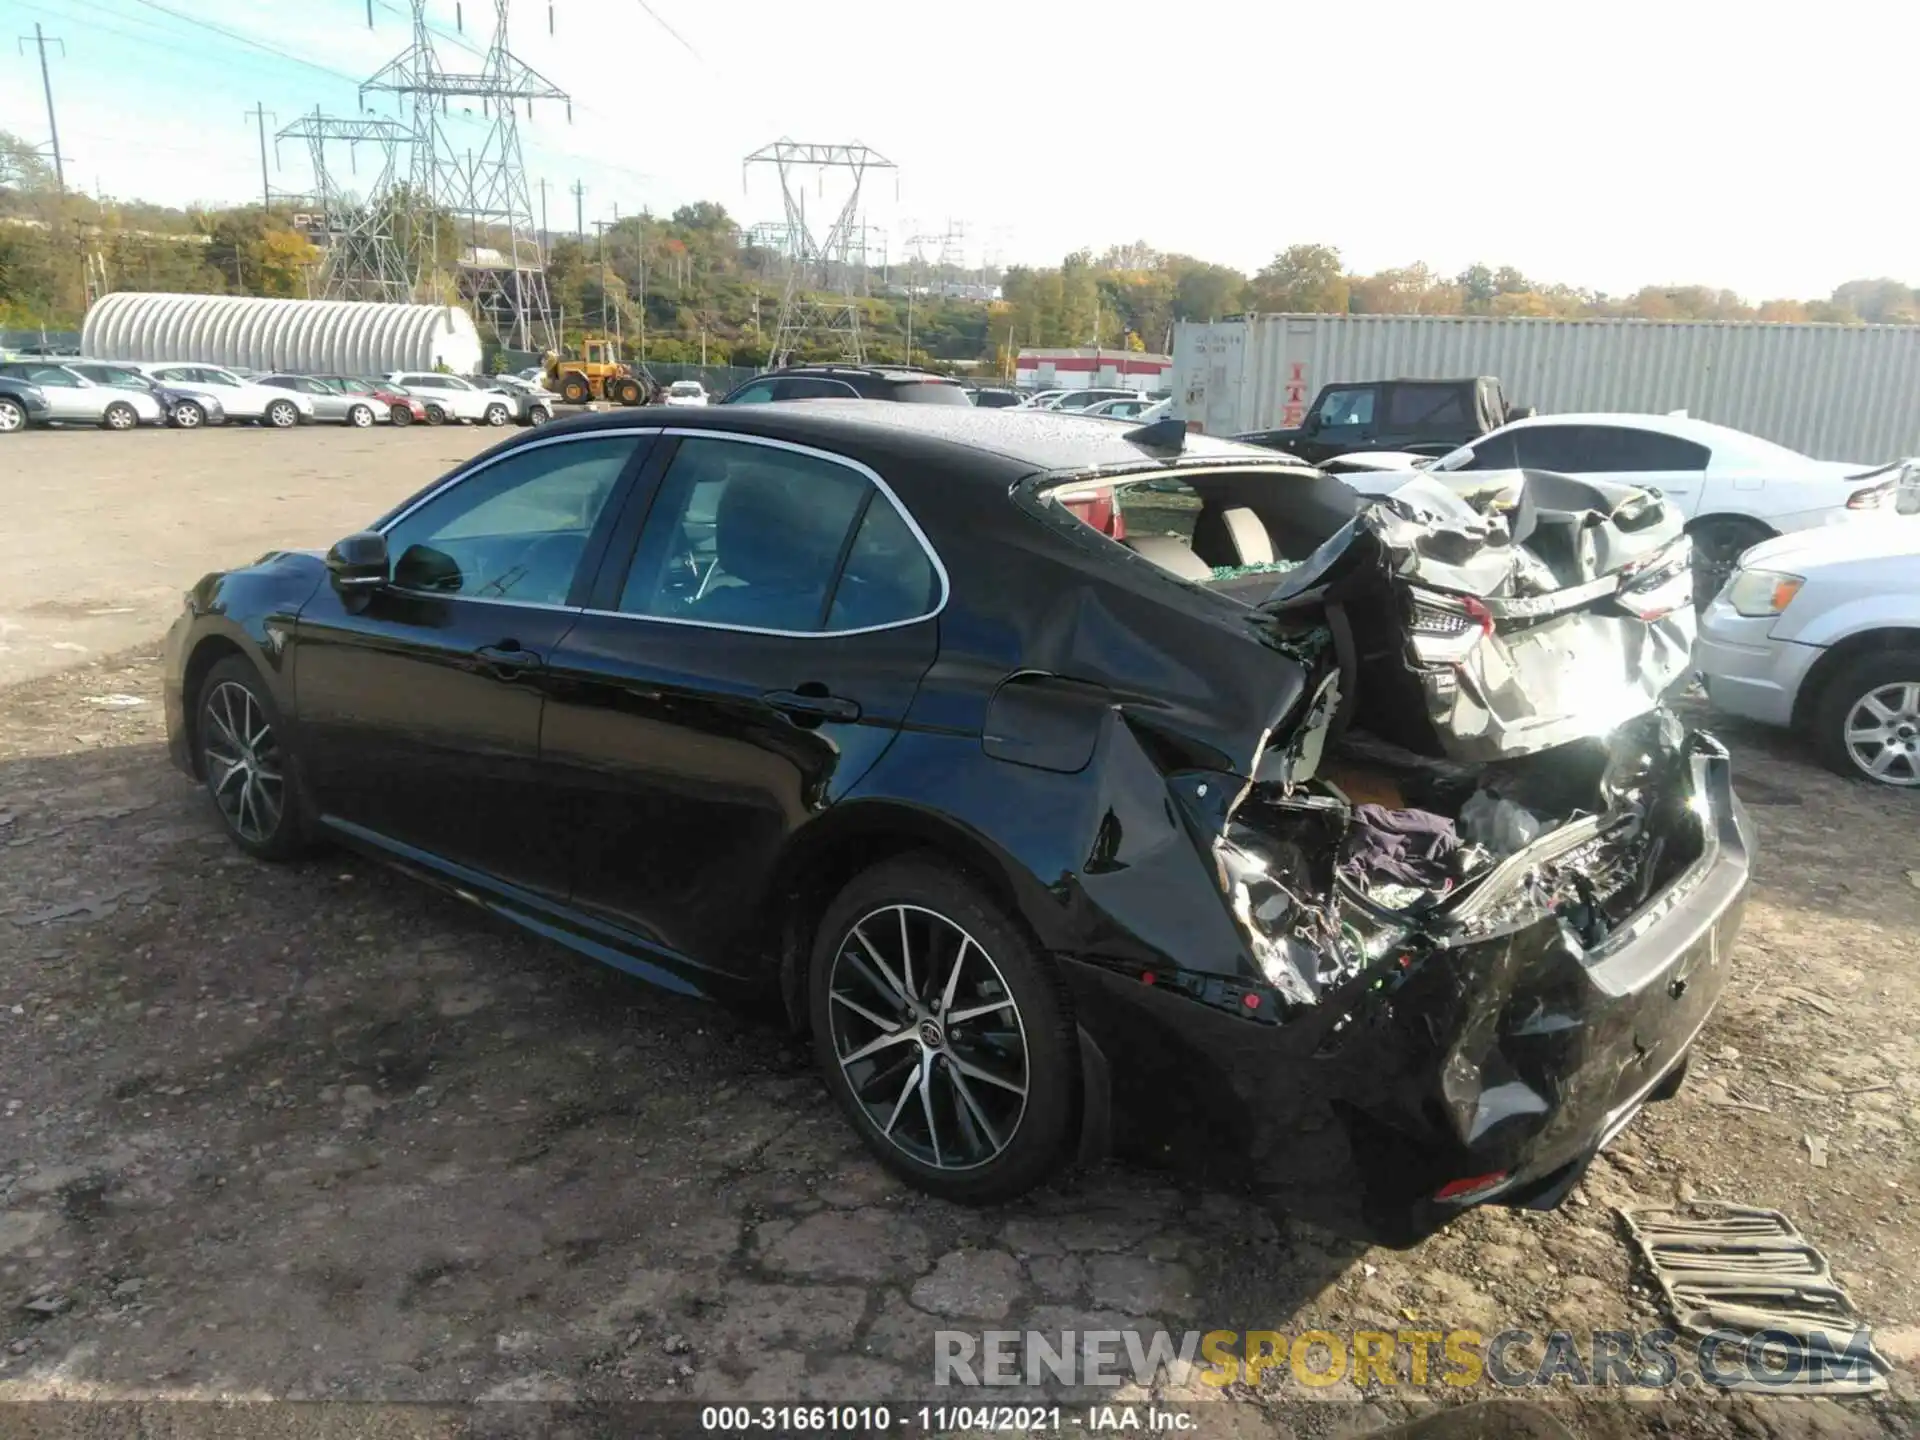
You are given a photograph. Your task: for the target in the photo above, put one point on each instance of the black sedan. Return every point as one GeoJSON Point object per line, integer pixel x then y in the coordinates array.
{"type": "Point", "coordinates": [1337, 846]}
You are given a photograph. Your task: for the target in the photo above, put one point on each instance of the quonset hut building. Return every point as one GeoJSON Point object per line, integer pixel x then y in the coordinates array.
{"type": "Point", "coordinates": [343, 337]}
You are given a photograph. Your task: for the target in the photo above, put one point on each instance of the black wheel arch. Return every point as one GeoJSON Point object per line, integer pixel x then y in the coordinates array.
{"type": "Point", "coordinates": [824, 857]}
{"type": "Point", "coordinates": [1837, 656]}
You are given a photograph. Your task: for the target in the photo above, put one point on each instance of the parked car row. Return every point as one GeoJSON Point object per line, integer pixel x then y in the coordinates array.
{"type": "Point", "coordinates": [123, 395]}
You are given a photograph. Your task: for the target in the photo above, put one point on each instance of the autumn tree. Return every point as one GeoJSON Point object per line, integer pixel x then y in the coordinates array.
{"type": "Point", "coordinates": [1302, 278]}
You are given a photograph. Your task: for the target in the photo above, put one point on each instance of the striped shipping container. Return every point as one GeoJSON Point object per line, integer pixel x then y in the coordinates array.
{"type": "Point", "coordinates": [1837, 392]}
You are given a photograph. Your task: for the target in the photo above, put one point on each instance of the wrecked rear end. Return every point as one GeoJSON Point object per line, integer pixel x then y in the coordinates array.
{"type": "Point", "coordinates": [1482, 882]}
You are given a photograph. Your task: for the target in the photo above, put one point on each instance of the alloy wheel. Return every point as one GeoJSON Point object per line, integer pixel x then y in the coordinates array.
{"type": "Point", "coordinates": [282, 416]}
{"type": "Point", "coordinates": [12, 417]}
{"type": "Point", "coordinates": [187, 416]}
{"type": "Point", "coordinates": [1883, 733]}
{"type": "Point", "coordinates": [121, 417]}
{"type": "Point", "coordinates": [928, 1036]}
{"type": "Point", "coordinates": [360, 417]}
{"type": "Point", "coordinates": [243, 765]}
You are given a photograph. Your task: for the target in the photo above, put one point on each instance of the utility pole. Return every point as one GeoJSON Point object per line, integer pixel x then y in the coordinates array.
{"type": "Point", "coordinates": [260, 114]}
{"type": "Point", "coordinates": [543, 219]}
{"type": "Point", "coordinates": [600, 226]}
{"type": "Point", "coordinates": [579, 212]}
{"type": "Point", "coordinates": [40, 42]}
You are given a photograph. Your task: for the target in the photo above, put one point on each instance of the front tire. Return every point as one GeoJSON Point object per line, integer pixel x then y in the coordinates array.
{"type": "Point", "coordinates": [13, 415]}
{"type": "Point", "coordinates": [1717, 546]}
{"type": "Point", "coordinates": [1866, 723]}
{"type": "Point", "coordinates": [283, 415]}
{"type": "Point", "coordinates": [498, 415]}
{"type": "Point", "coordinates": [238, 736]}
{"type": "Point", "coordinates": [944, 1033]}
{"type": "Point", "coordinates": [188, 415]}
{"type": "Point", "coordinates": [436, 415]}
{"type": "Point", "coordinates": [401, 415]}
{"type": "Point", "coordinates": [575, 390]}
{"type": "Point", "coordinates": [360, 417]}
{"type": "Point", "coordinates": [538, 415]}
{"type": "Point", "coordinates": [627, 392]}
{"type": "Point", "coordinates": [120, 416]}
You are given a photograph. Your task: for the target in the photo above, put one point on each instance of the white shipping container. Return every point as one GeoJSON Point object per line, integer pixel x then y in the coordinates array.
{"type": "Point", "coordinates": [1838, 392]}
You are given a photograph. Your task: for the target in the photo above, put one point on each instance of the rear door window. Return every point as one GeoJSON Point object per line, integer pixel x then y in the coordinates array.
{"type": "Point", "coordinates": [1415, 408]}
{"type": "Point", "coordinates": [765, 538]}
{"type": "Point", "coordinates": [1650, 450]}
{"type": "Point", "coordinates": [1570, 449]}
{"type": "Point", "coordinates": [813, 387]}
{"type": "Point", "coordinates": [1493, 452]}
{"type": "Point", "coordinates": [922, 392]}
{"type": "Point", "coordinates": [758, 393]}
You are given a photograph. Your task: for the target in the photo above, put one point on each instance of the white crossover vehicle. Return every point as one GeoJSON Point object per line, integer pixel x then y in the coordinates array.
{"type": "Point", "coordinates": [242, 399]}
{"type": "Point", "coordinates": [448, 397]}
{"type": "Point", "coordinates": [72, 399]}
{"type": "Point", "coordinates": [1820, 631]}
{"type": "Point", "coordinates": [686, 392]}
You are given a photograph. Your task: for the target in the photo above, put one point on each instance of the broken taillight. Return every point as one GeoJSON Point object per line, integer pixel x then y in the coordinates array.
{"type": "Point", "coordinates": [1455, 1189]}
{"type": "Point", "coordinates": [1661, 584]}
{"type": "Point", "coordinates": [1445, 627]}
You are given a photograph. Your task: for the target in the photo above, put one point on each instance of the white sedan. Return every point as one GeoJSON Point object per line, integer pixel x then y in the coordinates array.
{"type": "Point", "coordinates": [241, 399]}
{"type": "Point", "coordinates": [1735, 489]}
{"type": "Point", "coordinates": [448, 397]}
{"type": "Point", "coordinates": [1820, 631]}
{"type": "Point", "coordinates": [686, 392]}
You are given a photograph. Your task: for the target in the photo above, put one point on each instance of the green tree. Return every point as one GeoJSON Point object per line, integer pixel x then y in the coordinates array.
{"type": "Point", "coordinates": [1302, 278]}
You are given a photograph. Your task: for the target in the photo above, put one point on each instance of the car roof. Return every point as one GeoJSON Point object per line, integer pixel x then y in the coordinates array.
{"type": "Point", "coordinates": [870, 372]}
{"type": "Point", "coordinates": [1681, 427]}
{"type": "Point", "coordinates": [1030, 441]}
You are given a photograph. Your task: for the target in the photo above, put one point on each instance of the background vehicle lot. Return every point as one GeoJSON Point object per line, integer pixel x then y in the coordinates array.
{"type": "Point", "coordinates": [244, 1104]}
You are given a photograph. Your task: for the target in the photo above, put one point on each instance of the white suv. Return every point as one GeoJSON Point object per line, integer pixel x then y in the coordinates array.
{"type": "Point", "coordinates": [242, 399]}
{"type": "Point", "coordinates": [448, 397]}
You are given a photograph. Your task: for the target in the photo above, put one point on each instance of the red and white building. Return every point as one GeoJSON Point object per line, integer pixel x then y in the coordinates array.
{"type": "Point", "coordinates": [1090, 369]}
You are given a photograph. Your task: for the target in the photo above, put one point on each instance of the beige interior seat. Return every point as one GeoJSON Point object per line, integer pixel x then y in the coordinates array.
{"type": "Point", "coordinates": [1170, 553]}
{"type": "Point", "coordinates": [1252, 545]}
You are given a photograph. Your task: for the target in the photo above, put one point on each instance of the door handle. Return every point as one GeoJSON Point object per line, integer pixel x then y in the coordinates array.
{"type": "Point", "coordinates": [507, 660]}
{"type": "Point", "coordinates": [811, 709]}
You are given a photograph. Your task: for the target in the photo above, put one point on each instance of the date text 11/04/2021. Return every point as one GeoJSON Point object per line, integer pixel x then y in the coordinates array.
{"type": "Point", "coordinates": [942, 1419]}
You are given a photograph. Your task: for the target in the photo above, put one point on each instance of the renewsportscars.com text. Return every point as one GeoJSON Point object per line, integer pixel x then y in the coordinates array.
{"type": "Point", "coordinates": [1513, 1359]}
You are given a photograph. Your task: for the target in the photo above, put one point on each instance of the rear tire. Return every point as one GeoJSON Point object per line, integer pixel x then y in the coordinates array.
{"type": "Point", "coordinates": [360, 417]}
{"type": "Point", "coordinates": [238, 736]}
{"type": "Point", "coordinates": [401, 415]}
{"type": "Point", "coordinates": [538, 415]}
{"type": "Point", "coordinates": [282, 415]}
{"type": "Point", "coordinates": [1868, 713]}
{"type": "Point", "coordinates": [498, 415]}
{"type": "Point", "coordinates": [119, 416]}
{"type": "Point", "coordinates": [435, 415]}
{"type": "Point", "coordinates": [575, 390]}
{"type": "Point", "coordinates": [13, 415]}
{"type": "Point", "coordinates": [1717, 547]}
{"type": "Point", "coordinates": [961, 1135]}
{"type": "Point", "coordinates": [189, 415]}
{"type": "Point", "coordinates": [627, 392]}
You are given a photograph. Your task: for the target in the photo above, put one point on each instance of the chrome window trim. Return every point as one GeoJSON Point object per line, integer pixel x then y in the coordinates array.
{"type": "Point", "coordinates": [703, 433]}
{"type": "Point", "coordinates": [873, 477]}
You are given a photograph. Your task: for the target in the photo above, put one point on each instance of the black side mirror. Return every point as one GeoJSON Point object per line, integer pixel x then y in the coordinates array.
{"type": "Point", "coordinates": [358, 564]}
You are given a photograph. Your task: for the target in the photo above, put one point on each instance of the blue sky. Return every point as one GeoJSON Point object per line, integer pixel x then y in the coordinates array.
{"type": "Point", "coordinates": [1612, 143]}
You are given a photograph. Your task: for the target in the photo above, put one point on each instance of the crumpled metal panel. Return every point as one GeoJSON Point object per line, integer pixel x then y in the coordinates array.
{"type": "Point", "coordinates": [1567, 600]}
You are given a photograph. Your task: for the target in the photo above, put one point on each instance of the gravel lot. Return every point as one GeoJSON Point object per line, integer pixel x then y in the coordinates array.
{"type": "Point", "coordinates": [314, 1132]}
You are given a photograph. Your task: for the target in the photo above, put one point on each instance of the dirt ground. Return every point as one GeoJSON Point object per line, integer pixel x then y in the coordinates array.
{"type": "Point", "coordinates": [312, 1132]}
